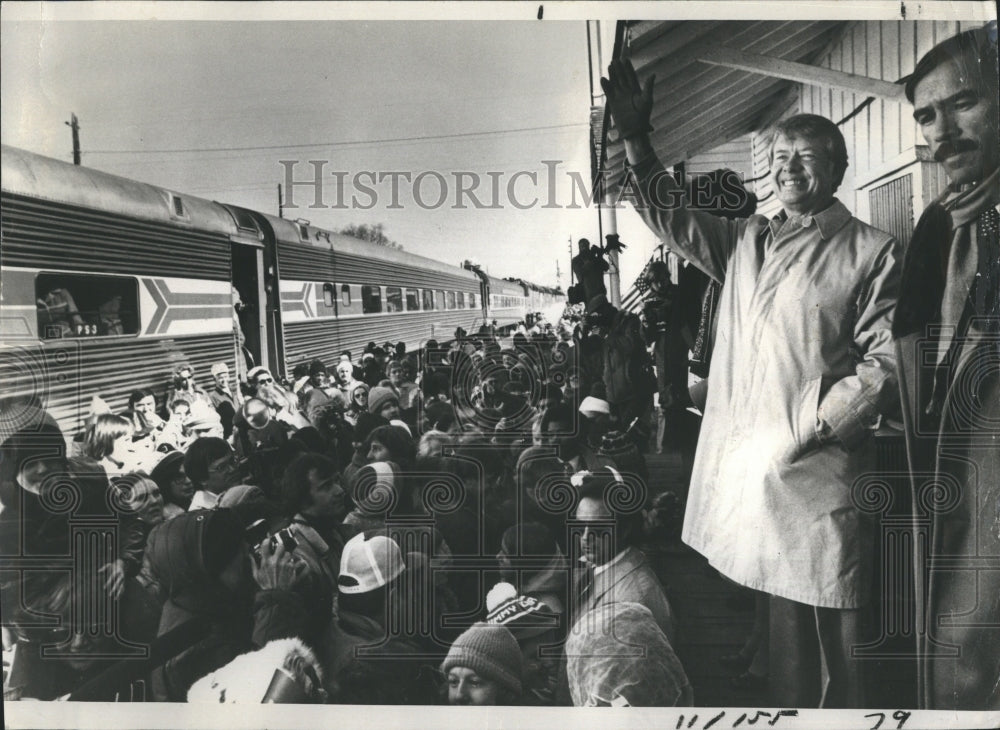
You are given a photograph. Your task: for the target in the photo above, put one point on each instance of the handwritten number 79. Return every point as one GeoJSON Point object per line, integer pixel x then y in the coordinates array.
{"type": "Point", "coordinates": [900, 716]}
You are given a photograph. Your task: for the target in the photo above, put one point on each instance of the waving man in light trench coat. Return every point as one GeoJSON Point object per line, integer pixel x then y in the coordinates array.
{"type": "Point", "coordinates": [802, 369]}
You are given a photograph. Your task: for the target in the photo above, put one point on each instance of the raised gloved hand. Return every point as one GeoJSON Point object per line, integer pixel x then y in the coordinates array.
{"type": "Point", "coordinates": [631, 105]}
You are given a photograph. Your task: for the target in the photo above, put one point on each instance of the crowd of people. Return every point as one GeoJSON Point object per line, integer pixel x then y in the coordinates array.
{"type": "Point", "coordinates": [460, 524]}
{"type": "Point", "coordinates": [466, 523]}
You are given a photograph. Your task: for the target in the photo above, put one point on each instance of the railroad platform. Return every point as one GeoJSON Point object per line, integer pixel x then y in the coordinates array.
{"type": "Point", "coordinates": [710, 621]}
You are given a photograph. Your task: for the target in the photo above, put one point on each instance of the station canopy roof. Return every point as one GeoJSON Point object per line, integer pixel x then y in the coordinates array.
{"type": "Point", "coordinates": [719, 80]}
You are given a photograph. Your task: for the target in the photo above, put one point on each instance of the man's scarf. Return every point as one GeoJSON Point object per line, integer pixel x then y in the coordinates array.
{"type": "Point", "coordinates": [940, 265]}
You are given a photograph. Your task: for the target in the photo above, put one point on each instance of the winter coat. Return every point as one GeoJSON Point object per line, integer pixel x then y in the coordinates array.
{"type": "Point", "coordinates": [548, 585]}
{"type": "Point", "coordinates": [627, 368]}
{"type": "Point", "coordinates": [367, 668]}
{"type": "Point", "coordinates": [622, 658]}
{"type": "Point", "coordinates": [803, 346]}
{"type": "Point", "coordinates": [953, 447]}
{"type": "Point", "coordinates": [239, 620]}
{"type": "Point", "coordinates": [630, 578]}
{"type": "Point", "coordinates": [323, 543]}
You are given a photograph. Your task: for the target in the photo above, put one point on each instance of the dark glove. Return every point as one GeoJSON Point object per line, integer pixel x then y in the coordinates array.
{"type": "Point", "coordinates": [631, 105]}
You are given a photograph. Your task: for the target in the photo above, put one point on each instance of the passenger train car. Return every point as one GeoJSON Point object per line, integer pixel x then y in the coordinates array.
{"type": "Point", "coordinates": [540, 299]}
{"type": "Point", "coordinates": [108, 284]}
{"type": "Point", "coordinates": [507, 302]}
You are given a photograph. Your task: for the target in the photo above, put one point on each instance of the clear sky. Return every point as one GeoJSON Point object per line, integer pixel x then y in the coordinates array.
{"type": "Point", "coordinates": [152, 96]}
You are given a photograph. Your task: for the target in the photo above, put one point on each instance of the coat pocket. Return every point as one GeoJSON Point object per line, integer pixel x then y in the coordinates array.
{"type": "Point", "coordinates": [804, 419]}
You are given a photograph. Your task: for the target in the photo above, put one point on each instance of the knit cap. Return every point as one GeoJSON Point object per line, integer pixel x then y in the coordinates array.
{"type": "Point", "coordinates": [379, 397]}
{"type": "Point", "coordinates": [615, 443]}
{"type": "Point", "coordinates": [167, 469]}
{"type": "Point", "coordinates": [524, 616]}
{"type": "Point", "coordinates": [622, 450]}
{"type": "Point", "coordinates": [369, 564]}
{"type": "Point", "coordinates": [592, 406]}
{"type": "Point", "coordinates": [367, 422]}
{"type": "Point", "coordinates": [316, 367]}
{"type": "Point", "coordinates": [255, 371]}
{"type": "Point", "coordinates": [490, 651]}
{"type": "Point", "coordinates": [354, 388]}
{"type": "Point", "coordinates": [202, 418]}
{"type": "Point", "coordinates": [375, 486]}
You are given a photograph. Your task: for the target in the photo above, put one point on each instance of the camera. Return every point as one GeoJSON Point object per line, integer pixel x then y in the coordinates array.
{"type": "Point", "coordinates": [284, 535]}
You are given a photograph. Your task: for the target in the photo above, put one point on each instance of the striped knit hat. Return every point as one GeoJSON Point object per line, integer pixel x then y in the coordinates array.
{"type": "Point", "coordinates": [490, 651]}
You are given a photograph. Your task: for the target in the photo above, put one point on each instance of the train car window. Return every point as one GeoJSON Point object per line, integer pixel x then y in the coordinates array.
{"type": "Point", "coordinates": [428, 298]}
{"type": "Point", "coordinates": [412, 300]}
{"type": "Point", "coordinates": [371, 299]}
{"type": "Point", "coordinates": [460, 299]}
{"type": "Point", "coordinates": [450, 296]}
{"type": "Point", "coordinates": [439, 299]}
{"type": "Point", "coordinates": [393, 299]}
{"type": "Point", "coordinates": [472, 300]}
{"type": "Point", "coordinates": [345, 295]}
{"type": "Point", "coordinates": [329, 294]}
{"type": "Point", "coordinates": [85, 305]}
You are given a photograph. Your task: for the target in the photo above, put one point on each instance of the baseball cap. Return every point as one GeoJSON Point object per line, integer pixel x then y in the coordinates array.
{"type": "Point", "coordinates": [367, 564]}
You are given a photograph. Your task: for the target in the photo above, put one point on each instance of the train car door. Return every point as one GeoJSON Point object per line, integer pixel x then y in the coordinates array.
{"type": "Point", "coordinates": [248, 296]}
{"type": "Point", "coordinates": [255, 282]}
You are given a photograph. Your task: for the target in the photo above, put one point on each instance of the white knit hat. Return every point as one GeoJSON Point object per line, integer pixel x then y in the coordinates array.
{"type": "Point", "coordinates": [369, 564]}
{"type": "Point", "coordinates": [591, 404]}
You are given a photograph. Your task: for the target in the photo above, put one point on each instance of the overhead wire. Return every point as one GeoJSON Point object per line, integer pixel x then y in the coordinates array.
{"type": "Point", "coordinates": [419, 138]}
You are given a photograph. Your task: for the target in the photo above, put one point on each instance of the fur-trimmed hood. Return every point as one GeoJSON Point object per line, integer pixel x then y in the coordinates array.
{"type": "Point", "coordinates": [284, 671]}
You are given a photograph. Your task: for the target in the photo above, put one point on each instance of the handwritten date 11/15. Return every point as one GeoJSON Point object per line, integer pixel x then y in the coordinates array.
{"type": "Point", "coordinates": [771, 719]}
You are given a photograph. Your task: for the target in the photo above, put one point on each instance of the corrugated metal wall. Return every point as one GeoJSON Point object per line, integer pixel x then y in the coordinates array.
{"type": "Point", "coordinates": [326, 339]}
{"type": "Point", "coordinates": [65, 375]}
{"type": "Point", "coordinates": [354, 268]}
{"type": "Point", "coordinates": [506, 288]}
{"type": "Point", "coordinates": [313, 263]}
{"type": "Point", "coordinates": [310, 263]}
{"type": "Point", "coordinates": [42, 234]}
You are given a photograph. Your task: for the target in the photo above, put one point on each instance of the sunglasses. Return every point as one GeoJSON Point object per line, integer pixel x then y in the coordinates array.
{"type": "Point", "coordinates": [263, 381]}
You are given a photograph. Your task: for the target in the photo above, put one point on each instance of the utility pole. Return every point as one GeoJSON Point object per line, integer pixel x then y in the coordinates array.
{"type": "Point", "coordinates": [607, 219]}
{"type": "Point", "coordinates": [74, 125]}
{"type": "Point", "coordinates": [570, 261]}
{"type": "Point", "coordinates": [281, 210]}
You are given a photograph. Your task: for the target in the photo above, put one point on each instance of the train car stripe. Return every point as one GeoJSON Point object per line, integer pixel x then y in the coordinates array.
{"type": "Point", "coordinates": [159, 302]}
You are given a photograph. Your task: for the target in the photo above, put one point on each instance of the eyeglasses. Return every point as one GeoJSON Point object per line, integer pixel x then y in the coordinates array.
{"type": "Point", "coordinates": [223, 465]}
{"type": "Point", "coordinates": [262, 381]}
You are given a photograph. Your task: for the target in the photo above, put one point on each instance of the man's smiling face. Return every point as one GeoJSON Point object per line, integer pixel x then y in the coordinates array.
{"type": "Point", "coordinates": [802, 174]}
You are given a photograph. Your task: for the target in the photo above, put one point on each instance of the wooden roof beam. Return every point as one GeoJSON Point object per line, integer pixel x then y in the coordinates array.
{"type": "Point", "coordinates": [802, 72]}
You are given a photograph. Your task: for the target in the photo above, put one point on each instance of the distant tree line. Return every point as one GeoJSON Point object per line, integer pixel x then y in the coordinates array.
{"type": "Point", "coordinates": [371, 233]}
